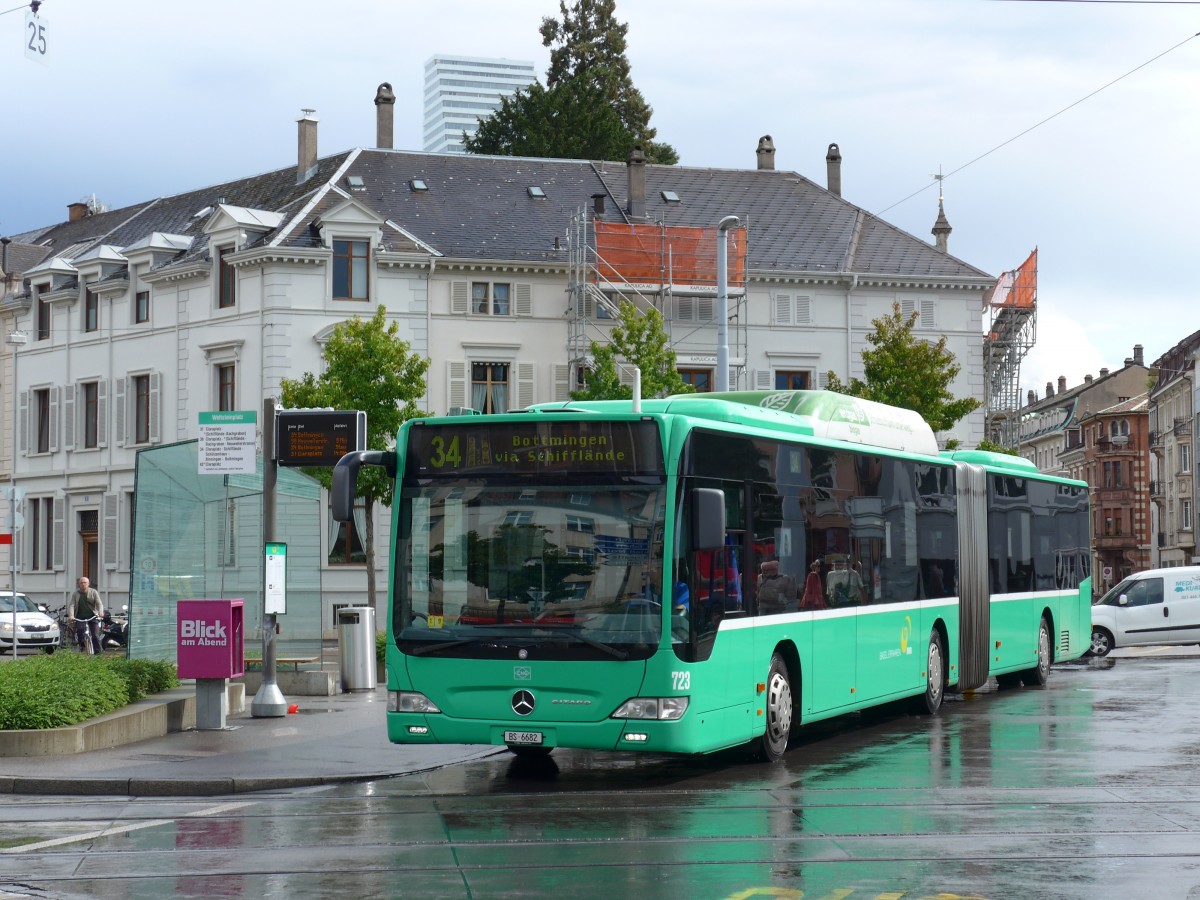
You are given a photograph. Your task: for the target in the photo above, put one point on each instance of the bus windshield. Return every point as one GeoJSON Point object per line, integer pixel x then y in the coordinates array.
{"type": "Point", "coordinates": [560, 558]}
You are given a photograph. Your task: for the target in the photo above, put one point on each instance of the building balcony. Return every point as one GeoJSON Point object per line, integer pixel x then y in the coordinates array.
{"type": "Point", "coordinates": [1182, 426]}
{"type": "Point", "coordinates": [1186, 539]}
{"type": "Point", "coordinates": [1158, 489]}
{"type": "Point", "coordinates": [1156, 440]}
{"type": "Point", "coordinates": [1116, 542]}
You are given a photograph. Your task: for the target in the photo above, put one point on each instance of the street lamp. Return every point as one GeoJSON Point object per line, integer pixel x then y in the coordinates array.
{"type": "Point", "coordinates": [15, 339]}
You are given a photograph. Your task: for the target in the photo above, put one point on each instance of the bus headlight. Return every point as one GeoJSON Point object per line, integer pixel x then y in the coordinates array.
{"type": "Point", "coordinates": [664, 708]}
{"type": "Point", "coordinates": [410, 702]}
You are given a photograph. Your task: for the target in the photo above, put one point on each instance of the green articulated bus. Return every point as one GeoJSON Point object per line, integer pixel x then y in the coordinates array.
{"type": "Point", "coordinates": [705, 571]}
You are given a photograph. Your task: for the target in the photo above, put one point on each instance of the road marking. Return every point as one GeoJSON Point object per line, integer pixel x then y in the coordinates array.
{"type": "Point", "coordinates": [122, 829]}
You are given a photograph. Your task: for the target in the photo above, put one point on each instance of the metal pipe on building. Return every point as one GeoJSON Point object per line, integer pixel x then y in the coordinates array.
{"type": "Point", "coordinates": [723, 300]}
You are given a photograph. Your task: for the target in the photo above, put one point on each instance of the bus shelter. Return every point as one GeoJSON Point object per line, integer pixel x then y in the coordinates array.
{"type": "Point", "coordinates": [201, 537]}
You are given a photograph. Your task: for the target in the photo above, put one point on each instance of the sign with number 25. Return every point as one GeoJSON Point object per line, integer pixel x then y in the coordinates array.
{"type": "Point", "coordinates": [35, 37]}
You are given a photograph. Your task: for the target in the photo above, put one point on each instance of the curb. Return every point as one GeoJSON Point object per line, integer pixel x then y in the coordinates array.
{"type": "Point", "coordinates": [181, 787]}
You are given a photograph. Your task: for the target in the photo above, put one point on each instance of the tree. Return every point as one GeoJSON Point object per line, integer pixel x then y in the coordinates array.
{"type": "Point", "coordinates": [903, 370]}
{"type": "Point", "coordinates": [641, 340]}
{"type": "Point", "coordinates": [588, 108]}
{"type": "Point", "coordinates": [590, 42]}
{"type": "Point", "coordinates": [572, 121]}
{"type": "Point", "coordinates": [369, 368]}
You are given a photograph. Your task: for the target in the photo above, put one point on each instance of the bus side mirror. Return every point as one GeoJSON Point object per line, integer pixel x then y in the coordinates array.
{"type": "Point", "coordinates": [345, 479]}
{"type": "Point", "coordinates": [708, 519]}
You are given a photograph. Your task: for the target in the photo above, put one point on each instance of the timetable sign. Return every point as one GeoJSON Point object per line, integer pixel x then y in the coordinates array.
{"type": "Point", "coordinates": [318, 437]}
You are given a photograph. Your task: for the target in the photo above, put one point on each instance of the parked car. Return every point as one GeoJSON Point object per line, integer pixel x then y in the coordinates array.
{"type": "Point", "coordinates": [1147, 609]}
{"type": "Point", "coordinates": [35, 629]}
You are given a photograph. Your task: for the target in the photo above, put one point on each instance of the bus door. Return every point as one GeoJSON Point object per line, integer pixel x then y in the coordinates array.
{"type": "Point", "coordinates": [833, 674]}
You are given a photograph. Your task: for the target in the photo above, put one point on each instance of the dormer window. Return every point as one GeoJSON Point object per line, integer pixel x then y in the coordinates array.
{"type": "Point", "coordinates": [227, 276]}
{"type": "Point", "coordinates": [350, 270]}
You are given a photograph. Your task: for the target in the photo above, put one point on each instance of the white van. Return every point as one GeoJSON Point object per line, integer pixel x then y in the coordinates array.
{"type": "Point", "coordinates": [1155, 607]}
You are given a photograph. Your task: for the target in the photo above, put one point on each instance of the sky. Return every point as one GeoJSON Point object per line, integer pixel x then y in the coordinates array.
{"type": "Point", "coordinates": [1072, 127]}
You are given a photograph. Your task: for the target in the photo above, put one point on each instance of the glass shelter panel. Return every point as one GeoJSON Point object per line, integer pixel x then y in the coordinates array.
{"type": "Point", "coordinates": [200, 536]}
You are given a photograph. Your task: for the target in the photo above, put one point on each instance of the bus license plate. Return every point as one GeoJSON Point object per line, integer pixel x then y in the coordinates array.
{"type": "Point", "coordinates": [523, 737]}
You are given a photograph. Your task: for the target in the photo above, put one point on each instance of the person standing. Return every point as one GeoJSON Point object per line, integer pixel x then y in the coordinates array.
{"type": "Point", "coordinates": [85, 609]}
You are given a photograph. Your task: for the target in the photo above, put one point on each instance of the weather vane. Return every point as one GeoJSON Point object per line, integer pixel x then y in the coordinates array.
{"type": "Point", "coordinates": [939, 178]}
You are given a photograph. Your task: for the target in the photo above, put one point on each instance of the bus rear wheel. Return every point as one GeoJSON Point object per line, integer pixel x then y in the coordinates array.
{"type": "Point", "coordinates": [1040, 674]}
{"type": "Point", "coordinates": [935, 674]}
{"type": "Point", "coordinates": [774, 740]}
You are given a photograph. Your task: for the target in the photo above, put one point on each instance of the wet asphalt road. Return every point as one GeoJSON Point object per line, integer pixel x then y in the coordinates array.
{"type": "Point", "coordinates": [1086, 789]}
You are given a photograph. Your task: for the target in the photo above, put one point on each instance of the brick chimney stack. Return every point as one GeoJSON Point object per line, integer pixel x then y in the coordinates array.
{"type": "Point", "coordinates": [1138, 358]}
{"type": "Point", "coordinates": [766, 153]}
{"type": "Point", "coordinates": [76, 211]}
{"type": "Point", "coordinates": [833, 169]}
{"type": "Point", "coordinates": [1062, 384]}
{"type": "Point", "coordinates": [306, 154]}
{"type": "Point", "coordinates": [636, 167]}
{"type": "Point", "coordinates": [385, 102]}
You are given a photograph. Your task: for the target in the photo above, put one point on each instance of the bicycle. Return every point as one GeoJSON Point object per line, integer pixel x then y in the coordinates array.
{"type": "Point", "coordinates": [87, 636]}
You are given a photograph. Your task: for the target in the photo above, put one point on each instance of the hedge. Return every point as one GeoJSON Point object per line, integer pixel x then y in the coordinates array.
{"type": "Point", "coordinates": [69, 688]}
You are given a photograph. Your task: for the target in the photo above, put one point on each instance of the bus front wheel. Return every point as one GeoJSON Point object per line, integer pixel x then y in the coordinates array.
{"type": "Point", "coordinates": [774, 738]}
{"type": "Point", "coordinates": [935, 674]}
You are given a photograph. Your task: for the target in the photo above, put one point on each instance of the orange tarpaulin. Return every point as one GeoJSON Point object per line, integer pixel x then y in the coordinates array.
{"type": "Point", "coordinates": [1017, 288]}
{"type": "Point", "coordinates": [656, 255]}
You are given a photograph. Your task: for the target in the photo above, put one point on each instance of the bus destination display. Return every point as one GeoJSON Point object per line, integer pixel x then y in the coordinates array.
{"type": "Point", "coordinates": [626, 448]}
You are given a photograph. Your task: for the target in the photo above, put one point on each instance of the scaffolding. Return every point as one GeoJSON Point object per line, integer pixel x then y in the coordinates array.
{"type": "Point", "coordinates": [1011, 334]}
{"type": "Point", "coordinates": [669, 268]}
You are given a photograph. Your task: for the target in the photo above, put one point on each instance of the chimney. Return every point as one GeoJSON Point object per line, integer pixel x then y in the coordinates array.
{"type": "Point", "coordinates": [598, 204]}
{"type": "Point", "coordinates": [1062, 384]}
{"type": "Point", "coordinates": [76, 211]}
{"type": "Point", "coordinates": [1103, 373]}
{"type": "Point", "coordinates": [833, 169]}
{"type": "Point", "coordinates": [385, 100]}
{"type": "Point", "coordinates": [766, 153]}
{"type": "Point", "coordinates": [1138, 359]}
{"type": "Point", "coordinates": [636, 167]}
{"type": "Point", "coordinates": [1031, 397]}
{"type": "Point", "coordinates": [941, 230]}
{"type": "Point", "coordinates": [1087, 379]}
{"type": "Point", "coordinates": [306, 156]}
{"type": "Point", "coordinates": [4, 262]}
{"type": "Point", "coordinates": [1049, 388]}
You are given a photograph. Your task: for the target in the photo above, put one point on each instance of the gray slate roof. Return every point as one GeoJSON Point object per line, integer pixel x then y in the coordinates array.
{"type": "Point", "coordinates": [479, 207]}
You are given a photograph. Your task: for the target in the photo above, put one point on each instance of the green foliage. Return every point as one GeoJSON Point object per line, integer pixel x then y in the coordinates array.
{"type": "Point", "coordinates": [993, 447]}
{"type": "Point", "coordinates": [588, 108]}
{"type": "Point", "coordinates": [903, 370]}
{"type": "Point", "coordinates": [380, 646]}
{"type": "Point", "coordinates": [369, 368]}
{"type": "Point", "coordinates": [638, 339]}
{"type": "Point", "coordinates": [569, 121]}
{"type": "Point", "coordinates": [69, 688]}
{"type": "Point", "coordinates": [590, 43]}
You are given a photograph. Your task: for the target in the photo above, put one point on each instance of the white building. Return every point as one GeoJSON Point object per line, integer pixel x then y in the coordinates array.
{"type": "Point", "coordinates": [139, 319]}
{"type": "Point", "coordinates": [461, 90]}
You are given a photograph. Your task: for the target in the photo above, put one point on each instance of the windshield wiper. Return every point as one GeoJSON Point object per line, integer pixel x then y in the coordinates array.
{"type": "Point", "coordinates": [571, 631]}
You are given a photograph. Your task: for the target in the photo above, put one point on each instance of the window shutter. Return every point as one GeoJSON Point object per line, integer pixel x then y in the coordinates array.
{"type": "Point", "coordinates": [55, 393]}
{"type": "Point", "coordinates": [907, 306]}
{"type": "Point", "coordinates": [456, 383]}
{"type": "Point", "coordinates": [928, 314]}
{"type": "Point", "coordinates": [69, 417]}
{"type": "Point", "coordinates": [804, 310]}
{"type": "Point", "coordinates": [102, 413]}
{"type": "Point", "coordinates": [525, 385]}
{"type": "Point", "coordinates": [23, 431]}
{"type": "Point", "coordinates": [524, 298]}
{"type": "Point", "coordinates": [120, 388]}
{"type": "Point", "coordinates": [59, 538]}
{"type": "Point", "coordinates": [706, 309]}
{"type": "Point", "coordinates": [562, 381]}
{"type": "Point", "coordinates": [783, 309]}
{"type": "Point", "coordinates": [687, 309]}
{"type": "Point", "coordinates": [111, 525]}
{"type": "Point", "coordinates": [762, 380]}
{"type": "Point", "coordinates": [460, 297]}
{"type": "Point", "coordinates": [822, 380]}
{"type": "Point", "coordinates": [155, 414]}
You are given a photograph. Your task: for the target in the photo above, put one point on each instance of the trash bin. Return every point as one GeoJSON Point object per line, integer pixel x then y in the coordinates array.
{"type": "Point", "coordinates": [356, 647]}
